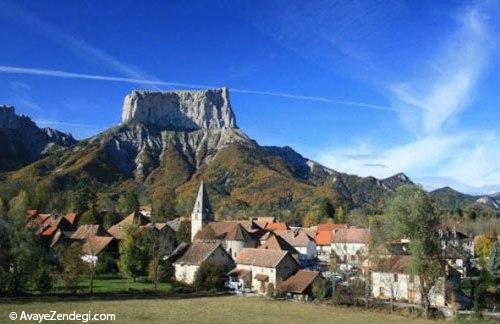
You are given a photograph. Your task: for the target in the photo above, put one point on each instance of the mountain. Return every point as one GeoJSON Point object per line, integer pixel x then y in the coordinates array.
{"type": "Point", "coordinates": [452, 199]}
{"type": "Point", "coordinates": [171, 140]}
{"type": "Point", "coordinates": [23, 142]}
{"type": "Point", "coordinates": [449, 198]}
{"type": "Point", "coordinates": [490, 200]}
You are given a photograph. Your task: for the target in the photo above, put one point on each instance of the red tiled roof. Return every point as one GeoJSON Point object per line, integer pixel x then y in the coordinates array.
{"type": "Point", "coordinates": [330, 227]}
{"type": "Point", "coordinates": [324, 237]}
{"type": "Point", "coordinates": [71, 217]}
{"type": "Point", "coordinates": [260, 257]}
{"type": "Point", "coordinates": [276, 226]}
{"type": "Point", "coordinates": [351, 235]}
{"type": "Point", "coordinates": [275, 242]}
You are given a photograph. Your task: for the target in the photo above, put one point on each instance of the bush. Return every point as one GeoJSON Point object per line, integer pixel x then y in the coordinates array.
{"type": "Point", "coordinates": [160, 272]}
{"type": "Point", "coordinates": [270, 290]}
{"type": "Point", "coordinates": [43, 280]}
{"type": "Point", "coordinates": [209, 277]}
{"type": "Point", "coordinates": [106, 264]}
{"type": "Point", "coordinates": [319, 290]}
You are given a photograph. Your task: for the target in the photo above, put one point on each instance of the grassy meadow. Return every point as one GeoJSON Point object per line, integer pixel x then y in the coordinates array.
{"type": "Point", "coordinates": [225, 309]}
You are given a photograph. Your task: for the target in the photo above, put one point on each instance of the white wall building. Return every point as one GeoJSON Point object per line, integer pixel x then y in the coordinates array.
{"type": "Point", "coordinates": [197, 253]}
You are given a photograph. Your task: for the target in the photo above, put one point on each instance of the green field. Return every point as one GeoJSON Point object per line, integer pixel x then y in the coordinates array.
{"type": "Point", "coordinates": [105, 284]}
{"type": "Point", "coordinates": [226, 309]}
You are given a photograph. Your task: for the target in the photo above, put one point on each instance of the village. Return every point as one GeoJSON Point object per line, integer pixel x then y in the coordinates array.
{"type": "Point", "coordinates": [263, 256]}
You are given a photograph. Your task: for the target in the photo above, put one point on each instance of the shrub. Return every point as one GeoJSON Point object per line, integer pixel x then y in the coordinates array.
{"type": "Point", "coordinates": [210, 276]}
{"type": "Point", "coordinates": [43, 280]}
{"type": "Point", "coordinates": [270, 290]}
{"type": "Point", "coordinates": [319, 290]}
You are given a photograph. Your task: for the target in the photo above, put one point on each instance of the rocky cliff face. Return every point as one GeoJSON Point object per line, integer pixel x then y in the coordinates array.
{"type": "Point", "coordinates": [197, 124]}
{"type": "Point", "coordinates": [180, 110]}
{"type": "Point", "coordinates": [22, 141]}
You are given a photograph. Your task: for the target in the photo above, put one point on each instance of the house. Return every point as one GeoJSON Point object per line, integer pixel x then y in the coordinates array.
{"type": "Point", "coordinates": [85, 231]}
{"type": "Point", "coordinates": [137, 218]}
{"type": "Point", "coordinates": [232, 235]}
{"type": "Point", "coordinates": [450, 238]}
{"type": "Point", "coordinates": [262, 267]}
{"type": "Point", "coordinates": [96, 246]}
{"type": "Point", "coordinates": [302, 242]}
{"type": "Point", "coordinates": [324, 237]}
{"type": "Point", "coordinates": [299, 286]}
{"type": "Point", "coordinates": [276, 242]}
{"type": "Point", "coordinates": [197, 253]}
{"type": "Point", "coordinates": [350, 243]}
{"type": "Point", "coordinates": [392, 281]}
{"type": "Point", "coordinates": [48, 228]}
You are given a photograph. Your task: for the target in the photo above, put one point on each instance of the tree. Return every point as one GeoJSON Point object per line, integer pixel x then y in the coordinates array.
{"type": "Point", "coordinates": [483, 246]}
{"type": "Point", "coordinates": [128, 203]}
{"type": "Point", "coordinates": [158, 247]}
{"type": "Point", "coordinates": [84, 199]}
{"type": "Point", "coordinates": [311, 218]}
{"type": "Point", "coordinates": [89, 217]}
{"type": "Point", "coordinates": [43, 279]}
{"type": "Point", "coordinates": [411, 214]}
{"type": "Point", "coordinates": [326, 209]}
{"type": "Point", "coordinates": [340, 215]}
{"type": "Point", "coordinates": [270, 290]}
{"type": "Point", "coordinates": [71, 265]}
{"type": "Point", "coordinates": [4, 209]}
{"type": "Point", "coordinates": [184, 232]}
{"type": "Point", "coordinates": [209, 276]}
{"type": "Point", "coordinates": [18, 205]}
{"type": "Point", "coordinates": [134, 258]}
{"type": "Point", "coordinates": [19, 248]}
{"type": "Point", "coordinates": [319, 290]}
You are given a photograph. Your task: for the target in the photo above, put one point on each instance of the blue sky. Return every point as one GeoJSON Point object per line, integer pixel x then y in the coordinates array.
{"type": "Point", "coordinates": [364, 87]}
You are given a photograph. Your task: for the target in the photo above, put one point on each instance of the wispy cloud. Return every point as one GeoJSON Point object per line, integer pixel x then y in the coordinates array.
{"type": "Point", "coordinates": [72, 75]}
{"type": "Point", "coordinates": [443, 91]}
{"type": "Point", "coordinates": [72, 43]}
{"type": "Point", "coordinates": [444, 87]}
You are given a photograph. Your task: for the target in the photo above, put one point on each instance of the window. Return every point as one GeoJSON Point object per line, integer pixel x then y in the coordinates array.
{"type": "Point", "coordinates": [381, 291]}
{"type": "Point", "coordinates": [395, 277]}
{"type": "Point", "coordinates": [412, 278]}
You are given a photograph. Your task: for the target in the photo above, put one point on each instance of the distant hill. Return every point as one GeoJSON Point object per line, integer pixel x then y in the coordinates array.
{"type": "Point", "coordinates": [449, 198]}
{"type": "Point", "coordinates": [23, 142]}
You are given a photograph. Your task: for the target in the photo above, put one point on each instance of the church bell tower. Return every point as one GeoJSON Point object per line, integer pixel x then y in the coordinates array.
{"type": "Point", "coordinates": [202, 212]}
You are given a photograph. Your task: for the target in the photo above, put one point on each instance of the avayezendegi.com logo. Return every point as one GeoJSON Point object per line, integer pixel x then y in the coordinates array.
{"type": "Point", "coordinates": [55, 316]}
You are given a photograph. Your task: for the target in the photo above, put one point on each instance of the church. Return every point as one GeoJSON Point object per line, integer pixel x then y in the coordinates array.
{"type": "Point", "coordinates": [232, 235]}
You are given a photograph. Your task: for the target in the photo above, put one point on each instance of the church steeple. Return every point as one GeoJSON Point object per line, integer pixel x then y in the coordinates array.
{"type": "Point", "coordinates": [202, 211]}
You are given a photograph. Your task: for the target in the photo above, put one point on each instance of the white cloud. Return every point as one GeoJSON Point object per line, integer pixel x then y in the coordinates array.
{"type": "Point", "coordinates": [444, 90]}
{"type": "Point", "coordinates": [468, 162]}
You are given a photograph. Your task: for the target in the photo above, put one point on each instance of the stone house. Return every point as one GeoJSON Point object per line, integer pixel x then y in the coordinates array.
{"type": "Point", "coordinates": [197, 253]}
{"type": "Point", "coordinates": [96, 246]}
{"type": "Point", "coordinates": [392, 281]}
{"type": "Point", "coordinates": [350, 243]}
{"type": "Point", "coordinates": [262, 267]}
{"type": "Point", "coordinates": [302, 242]}
{"type": "Point", "coordinates": [324, 237]}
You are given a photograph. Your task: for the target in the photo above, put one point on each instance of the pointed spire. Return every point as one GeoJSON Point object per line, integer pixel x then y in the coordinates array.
{"type": "Point", "coordinates": [202, 204]}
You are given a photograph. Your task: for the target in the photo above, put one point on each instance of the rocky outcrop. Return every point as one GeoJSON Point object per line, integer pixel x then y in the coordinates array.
{"type": "Point", "coordinates": [22, 141]}
{"type": "Point", "coordinates": [180, 110]}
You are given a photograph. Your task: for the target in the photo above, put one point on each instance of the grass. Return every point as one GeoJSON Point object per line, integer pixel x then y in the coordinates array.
{"type": "Point", "coordinates": [113, 283]}
{"type": "Point", "coordinates": [226, 309]}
